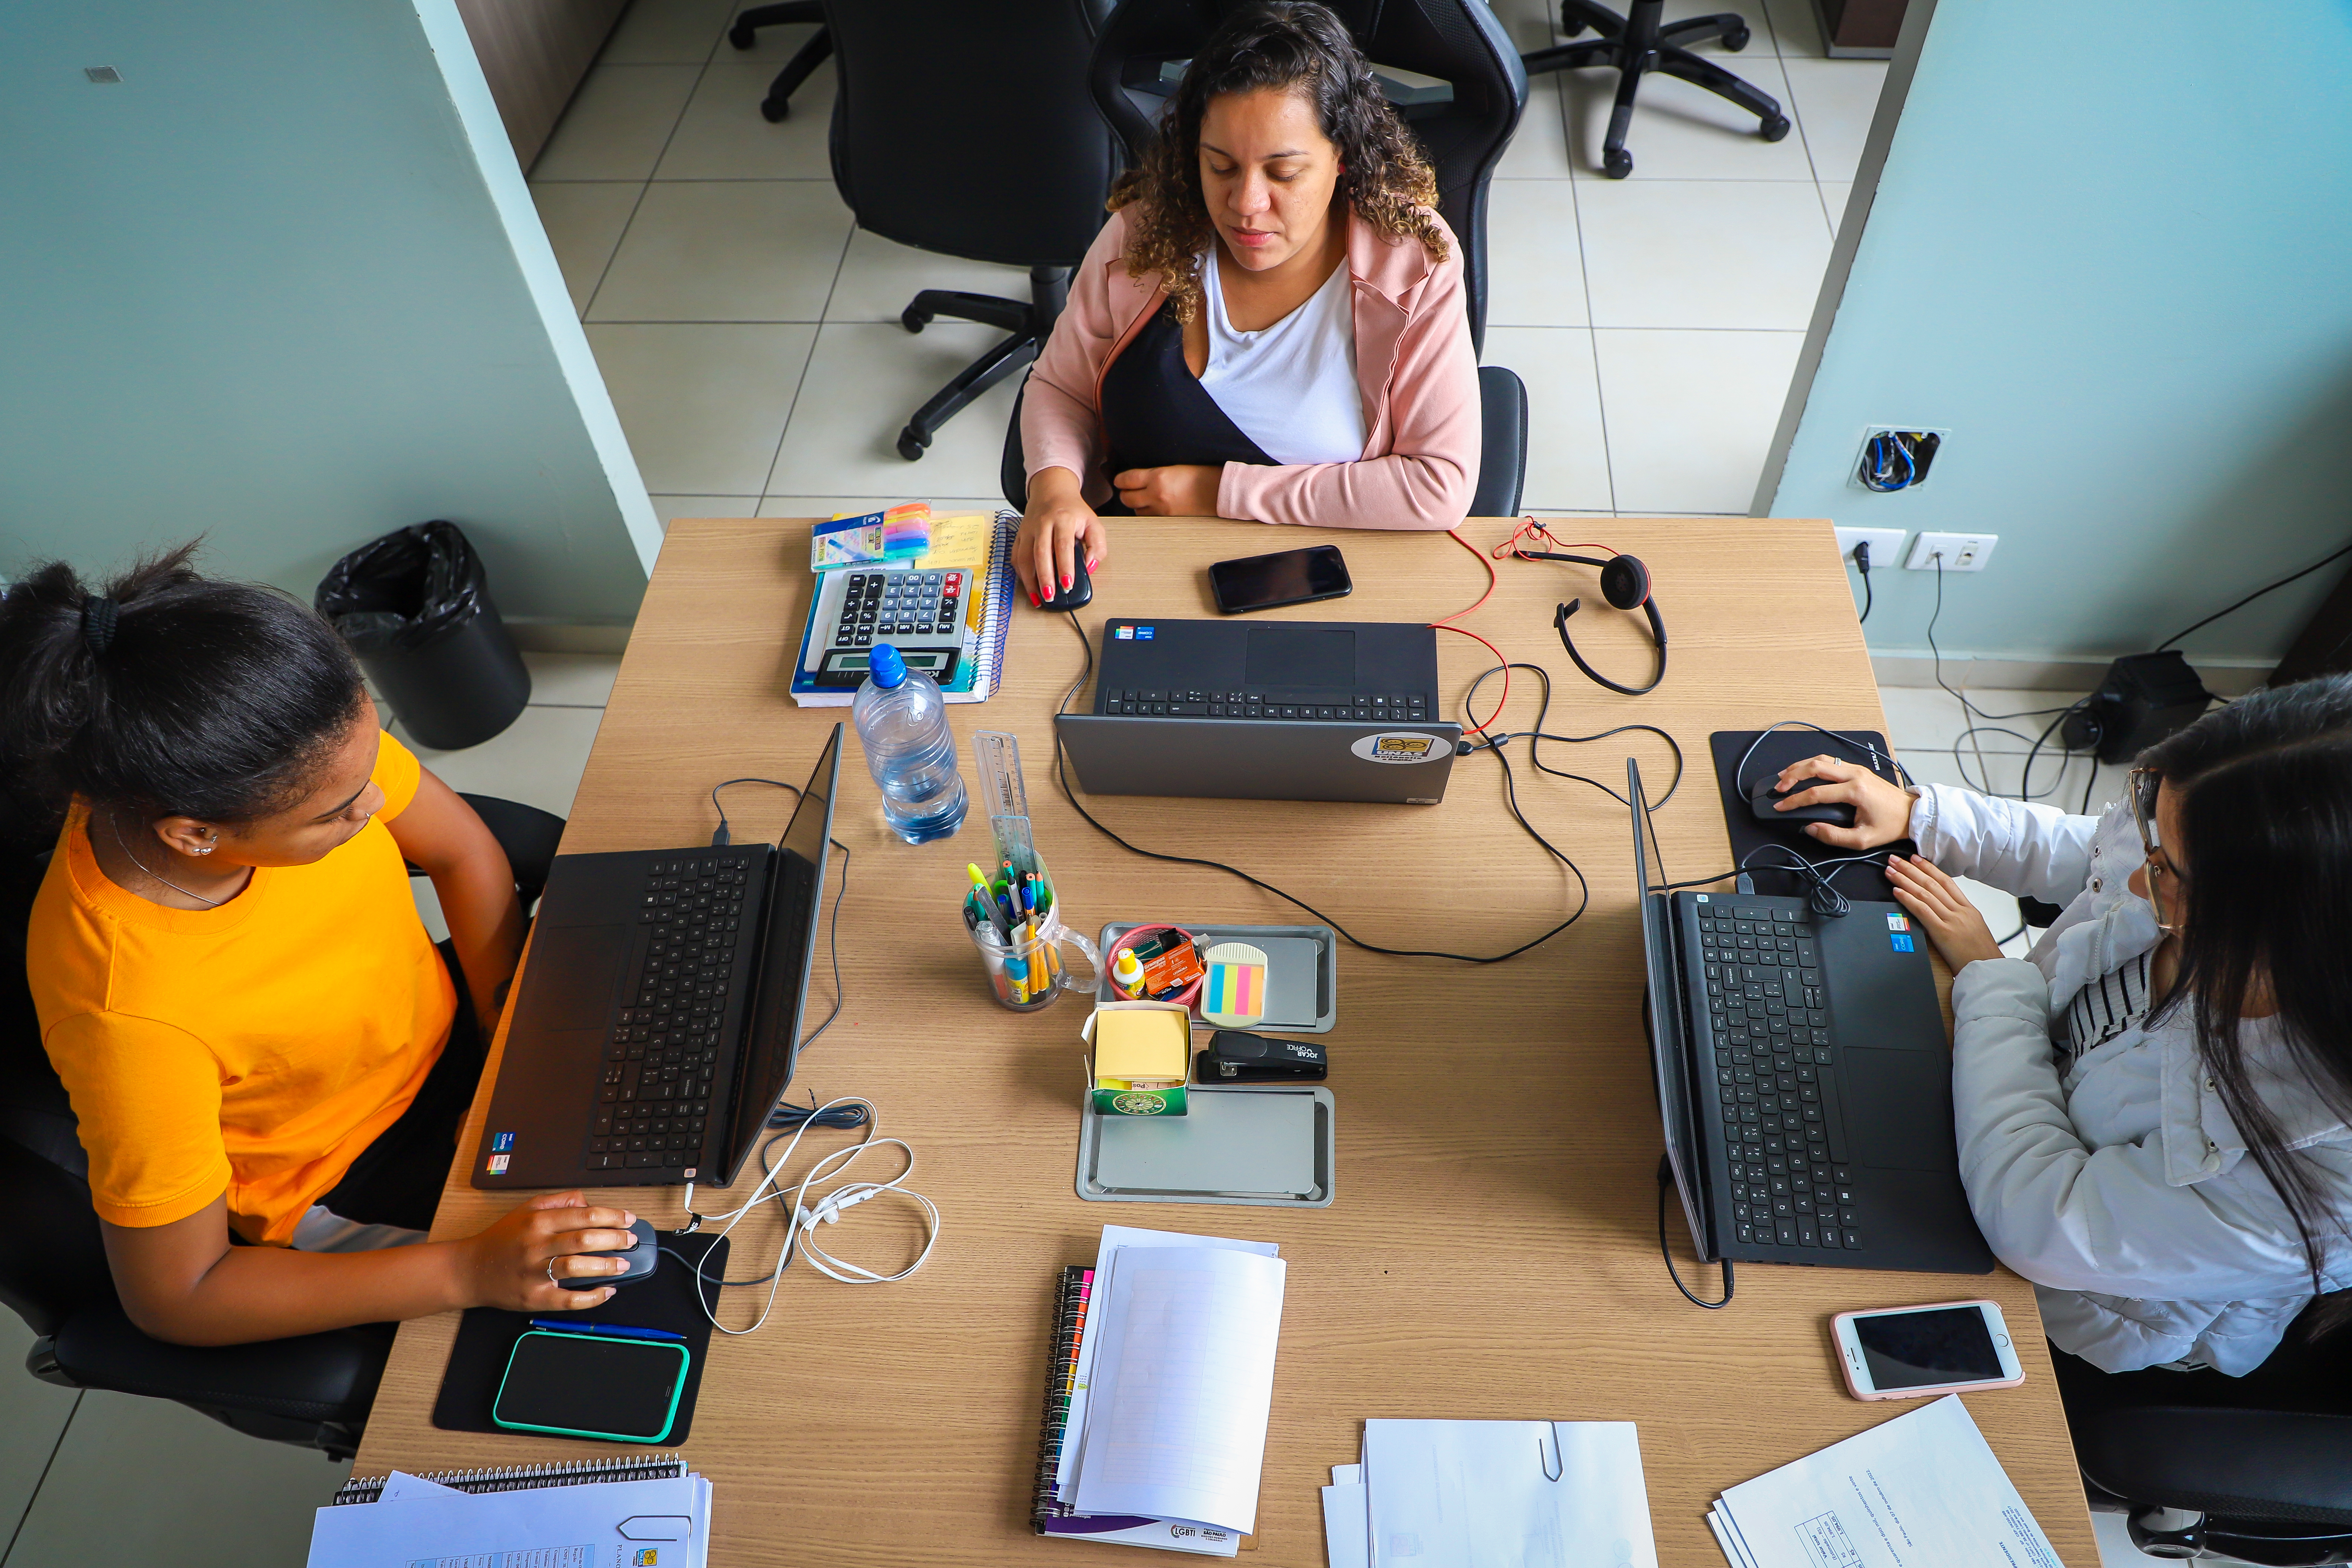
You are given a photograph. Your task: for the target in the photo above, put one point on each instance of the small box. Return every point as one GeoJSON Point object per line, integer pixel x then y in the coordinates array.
{"type": "Point", "coordinates": [1140, 1055]}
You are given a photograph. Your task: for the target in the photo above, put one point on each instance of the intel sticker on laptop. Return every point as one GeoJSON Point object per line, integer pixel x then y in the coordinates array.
{"type": "Point", "coordinates": [502, 1142]}
{"type": "Point", "coordinates": [1401, 746]}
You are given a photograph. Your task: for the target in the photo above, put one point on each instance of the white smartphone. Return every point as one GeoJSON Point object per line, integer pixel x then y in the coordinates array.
{"type": "Point", "coordinates": [1910, 1353]}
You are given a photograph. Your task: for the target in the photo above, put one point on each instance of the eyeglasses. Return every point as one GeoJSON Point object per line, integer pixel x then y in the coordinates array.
{"type": "Point", "coordinates": [2145, 785]}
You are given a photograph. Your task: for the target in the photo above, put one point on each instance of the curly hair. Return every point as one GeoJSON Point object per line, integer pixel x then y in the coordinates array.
{"type": "Point", "coordinates": [1285, 46]}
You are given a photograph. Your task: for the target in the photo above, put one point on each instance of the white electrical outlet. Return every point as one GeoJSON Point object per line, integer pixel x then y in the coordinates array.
{"type": "Point", "coordinates": [1961, 552]}
{"type": "Point", "coordinates": [1885, 545]}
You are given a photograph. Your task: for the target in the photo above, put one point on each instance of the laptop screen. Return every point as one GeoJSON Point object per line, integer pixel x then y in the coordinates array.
{"type": "Point", "coordinates": [1669, 1050]}
{"type": "Point", "coordinates": [794, 902]}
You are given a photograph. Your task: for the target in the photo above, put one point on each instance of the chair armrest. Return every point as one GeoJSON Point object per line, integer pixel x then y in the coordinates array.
{"type": "Point", "coordinates": [312, 1377]}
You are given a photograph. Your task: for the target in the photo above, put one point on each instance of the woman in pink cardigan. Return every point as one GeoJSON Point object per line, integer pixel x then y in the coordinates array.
{"type": "Point", "coordinates": [1270, 326]}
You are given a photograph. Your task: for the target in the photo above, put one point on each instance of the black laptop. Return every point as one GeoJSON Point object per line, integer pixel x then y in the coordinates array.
{"type": "Point", "coordinates": [1805, 1079]}
{"type": "Point", "coordinates": [1264, 710]}
{"type": "Point", "coordinates": [658, 1020]}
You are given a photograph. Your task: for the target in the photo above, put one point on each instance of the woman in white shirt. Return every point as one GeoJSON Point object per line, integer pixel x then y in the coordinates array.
{"type": "Point", "coordinates": [2154, 1106]}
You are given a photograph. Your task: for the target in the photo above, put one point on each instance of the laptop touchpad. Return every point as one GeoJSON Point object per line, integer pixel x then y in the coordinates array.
{"type": "Point", "coordinates": [1891, 1102]}
{"type": "Point", "coordinates": [576, 968]}
{"type": "Point", "coordinates": [1302, 656]}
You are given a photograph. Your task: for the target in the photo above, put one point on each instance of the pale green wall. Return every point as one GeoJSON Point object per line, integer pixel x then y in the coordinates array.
{"type": "Point", "coordinates": [283, 286]}
{"type": "Point", "coordinates": [2117, 260]}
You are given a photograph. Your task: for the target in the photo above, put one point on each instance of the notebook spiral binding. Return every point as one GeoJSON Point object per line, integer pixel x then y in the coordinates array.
{"type": "Point", "coordinates": [1060, 1374]}
{"type": "Point", "coordinates": [526, 1477]}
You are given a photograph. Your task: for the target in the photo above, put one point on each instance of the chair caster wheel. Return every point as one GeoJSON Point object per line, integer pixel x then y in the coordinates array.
{"type": "Point", "coordinates": [742, 37]}
{"type": "Point", "coordinates": [1568, 29]}
{"type": "Point", "coordinates": [914, 321]}
{"type": "Point", "coordinates": [1774, 129]}
{"type": "Point", "coordinates": [775, 110]}
{"type": "Point", "coordinates": [1736, 41]}
{"type": "Point", "coordinates": [1616, 162]}
{"type": "Point", "coordinates": [911, 446]}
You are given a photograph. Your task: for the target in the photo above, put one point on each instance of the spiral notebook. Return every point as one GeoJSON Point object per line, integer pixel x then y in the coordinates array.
{"type": "Point", "coordinates": [644, 1509]}
{"type": "Point", "coordinates": [968, 541]}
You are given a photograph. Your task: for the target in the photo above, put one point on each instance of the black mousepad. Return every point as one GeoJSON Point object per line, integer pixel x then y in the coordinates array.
{"type": "Point", "coordinates": [487, 1335]}
{"type": "Point", "coordinates": [1778, 748]}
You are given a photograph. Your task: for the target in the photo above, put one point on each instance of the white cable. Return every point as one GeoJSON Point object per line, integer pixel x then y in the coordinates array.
{"type": "Point", "coordinates": [830, 1205]}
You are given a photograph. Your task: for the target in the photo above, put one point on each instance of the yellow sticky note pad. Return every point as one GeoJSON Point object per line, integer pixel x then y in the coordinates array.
{"type": "Point", "coordinates": [1143, 1044]}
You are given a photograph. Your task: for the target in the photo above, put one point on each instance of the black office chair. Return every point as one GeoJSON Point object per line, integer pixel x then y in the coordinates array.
{"type": "Point", "coordinates": [1642, 41]}
{"type": "Point", "coordinates": [2256, 1468]}
{"type": "Point", "coordinates": [1456, 81]}
{"type": "Point", "coordinates": [966, 129]}
{"type": "Point", "coordinates": [805, 61]}
{"type": "Point", "coordinates": [312, 1391]}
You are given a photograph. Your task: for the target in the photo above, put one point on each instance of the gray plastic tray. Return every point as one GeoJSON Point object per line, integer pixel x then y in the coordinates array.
{"type": "Point", "coordinates": [1265, 1144]}
{"type": "Point", "coordinates": [1303, 1010]}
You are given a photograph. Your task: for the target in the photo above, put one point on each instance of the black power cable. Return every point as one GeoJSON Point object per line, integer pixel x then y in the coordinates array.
{"type": "Point", "coordinates": [1666, 1179]}
{"type": "Point", "coordinates": [2199, 625]}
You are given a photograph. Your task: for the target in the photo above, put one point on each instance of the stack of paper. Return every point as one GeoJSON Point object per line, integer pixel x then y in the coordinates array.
{"type": "Point", "coordinates": [664, 1522]}
{"type": "Point", "coordinates": [1174, 1384]}
{"type": "Point", "coordinates": [1922, 1491]}
{"type": "Point", "coordinates": [1471, 1494]}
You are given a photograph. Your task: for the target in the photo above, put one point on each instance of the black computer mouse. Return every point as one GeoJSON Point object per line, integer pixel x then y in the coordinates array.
{"type": "Point", "coordinates": [1762, 800]}
{"type": "Point", "coordinates": [640, 1258]}
{"type": "Point", "coordinates": [1077, 595]}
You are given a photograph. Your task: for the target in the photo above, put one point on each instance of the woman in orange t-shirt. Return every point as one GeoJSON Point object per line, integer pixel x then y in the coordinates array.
{"type": "Point", "coordinates": [259, 1040]}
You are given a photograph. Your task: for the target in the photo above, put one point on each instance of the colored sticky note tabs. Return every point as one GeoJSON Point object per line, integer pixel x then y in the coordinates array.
{"type": "Point", "coordinates": [1233, 994]}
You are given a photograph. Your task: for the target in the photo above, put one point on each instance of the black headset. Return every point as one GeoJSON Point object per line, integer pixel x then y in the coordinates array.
{"type": "Point", "coordinates": [1626, 583]}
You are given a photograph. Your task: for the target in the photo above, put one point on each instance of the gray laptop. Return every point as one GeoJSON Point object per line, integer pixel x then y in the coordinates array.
{"type": "Point", "coordinates": [1264, 710]}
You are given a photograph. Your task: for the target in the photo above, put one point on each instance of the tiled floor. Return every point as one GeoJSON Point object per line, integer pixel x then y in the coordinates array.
{"type": "Point", "coordinates": [748, 332]}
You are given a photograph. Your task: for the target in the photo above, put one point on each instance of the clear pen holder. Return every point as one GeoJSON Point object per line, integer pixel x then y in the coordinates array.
{"type": "Point", "coordinates": [1030, 972]}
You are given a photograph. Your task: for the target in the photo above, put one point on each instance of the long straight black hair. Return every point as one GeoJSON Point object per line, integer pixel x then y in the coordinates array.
{"type": "Point", "coordinates": [2264, 787]}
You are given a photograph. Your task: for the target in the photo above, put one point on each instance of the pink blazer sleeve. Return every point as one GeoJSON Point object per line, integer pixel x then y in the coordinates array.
{"type": "Point", "coordinates": [1061, 425]}
{"type": "Point", "coordinates": [1431, 469]}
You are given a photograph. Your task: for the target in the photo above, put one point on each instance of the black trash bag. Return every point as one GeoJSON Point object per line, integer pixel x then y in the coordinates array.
{"type": "Point", "coordinates": [415, 608]}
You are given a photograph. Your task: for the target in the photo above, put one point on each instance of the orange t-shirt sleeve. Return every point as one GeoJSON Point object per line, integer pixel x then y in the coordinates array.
{"type": "Point", "coordinates": [155, 1091]}
{"type": "Point", "coordinates": [397, 773]}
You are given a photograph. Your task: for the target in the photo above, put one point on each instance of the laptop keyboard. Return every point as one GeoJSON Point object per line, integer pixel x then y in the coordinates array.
{"type": "Point", "coordinates": [661, 1061]}
{"type": "Point", "coordinates": [1271, 702]}
{"type": "Point", "coordinates": [1768, 1014]}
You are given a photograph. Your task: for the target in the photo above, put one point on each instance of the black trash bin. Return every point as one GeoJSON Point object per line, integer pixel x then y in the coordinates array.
{"type": "Point", "coordinates": [416, 610]}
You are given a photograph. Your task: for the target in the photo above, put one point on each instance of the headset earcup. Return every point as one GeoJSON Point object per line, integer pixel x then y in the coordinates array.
{"type": "Point", "coordinates": [1625, 583]}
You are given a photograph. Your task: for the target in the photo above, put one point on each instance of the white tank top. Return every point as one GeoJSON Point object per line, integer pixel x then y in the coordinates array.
{"type": "Point", "coordinates": [1290, 386]}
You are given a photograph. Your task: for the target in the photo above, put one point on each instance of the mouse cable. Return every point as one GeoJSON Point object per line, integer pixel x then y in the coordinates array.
{"type": "Point", "coordinates": [782, 1115]}
{"type": "Point", "coordinates": [1992, 721]}
{"type": "Point", "coordinates": [1061, 771]}
{"type": "Point", "coordinates": [1539, 733]}
{"type": "Point", "coordinates": [1666, 1181]}
{"type": "Point", "coordinates": [1874, 758]}
{"type": "Point", "coordinates": [1823, 899]}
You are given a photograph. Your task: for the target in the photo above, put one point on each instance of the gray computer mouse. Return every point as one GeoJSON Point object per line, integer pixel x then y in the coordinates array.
{"type": "Point", "coordinates": [1763, 799]}
{"type": "Point", "coordinates": [1079, 594]}
{"type": "Point", "coordinates": [640, 1258]}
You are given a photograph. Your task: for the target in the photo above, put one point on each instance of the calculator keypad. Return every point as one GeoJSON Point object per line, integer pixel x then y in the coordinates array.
{"type": "Point", "coordinates": [925, 605]}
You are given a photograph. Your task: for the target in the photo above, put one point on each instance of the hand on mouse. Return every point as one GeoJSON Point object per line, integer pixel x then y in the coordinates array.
{"type": "Point", "coordinates": [1057, 524]}
{"type": "Point", "coordinates": [1954, 924]}
{"type": "Point", "coordinates": [1882, 811]}
{"type": "Point", "coordinates": [1183, 490]}
{"type": "Point", "coordinates": [508, 1264]}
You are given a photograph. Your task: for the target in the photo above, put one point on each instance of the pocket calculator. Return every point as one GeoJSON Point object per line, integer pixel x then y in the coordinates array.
{"type": "Point", "coordinates": [920, 614]}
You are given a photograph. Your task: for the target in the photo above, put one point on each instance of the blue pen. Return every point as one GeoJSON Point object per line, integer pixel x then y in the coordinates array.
{"type": "Point", "coordinates": [612, 1331]}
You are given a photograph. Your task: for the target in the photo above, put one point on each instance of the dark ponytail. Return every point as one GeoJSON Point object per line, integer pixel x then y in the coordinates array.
{"type": "Point", "coordinates": [2264, 787]}
{"type": "Point", "coordinates": [168, 694]}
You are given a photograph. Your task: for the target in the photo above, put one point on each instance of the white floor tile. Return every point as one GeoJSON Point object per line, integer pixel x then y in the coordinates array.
{"type": "Point", "coordinates": [1567, 459]}
{"type": "Point", "coordinates": [1835, 100]}
{"type": "Point", "coordinates": [723, 136]}
{"type": "Point", "coordinates": [146, 1480]}
{"type": "Point", "coordinates": [571, 679]}
{"type": "Point", "coordinates": [1930, 716]}
{"type": "Point", "coordinates": [727, 250]}
{"type": "Point", "coordinates": [666, 32]}
{"type": "Point", "coordinates": [617, 123]}
{"type": "Point", "coordinates": [1539, 149]}
{"type": "Point", "coordinates": [1835, 194]}
{"type": "Point", "coordinates": [1702, 252]}
{"type": "Point", "coordinates": [879, 277]}
{"type": "Point", "coordinates": [704, 405]}
{"type": "Point", "coordinates": [669, 509]}
{"type": "Point", "coordinates": [1534, 265]}
{"type": "Point", "coordinates": [1528, 23]}
{"type": "Point", "coordinates": [864, 380]}
{"type": "Point", "coordinates": [1691, 414]}
{"type": "Point", "coordinates": [1796, 26]}
{"type": "Point", "coordinates": [537, 760]}
{"type": "Point", "coordinates": [1683, 132]}
{"type": "Point", "coordinates": [583, 222]}
{"type": "Point", "coordinates": [36, 1414]}
{"type": "Point", "coordinates": [772, 47]}
{"type": "Point", "coordinates": [827, 506]}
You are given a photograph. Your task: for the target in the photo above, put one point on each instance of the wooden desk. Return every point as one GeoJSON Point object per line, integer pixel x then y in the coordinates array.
{"type": "Point", "coordinates": [1493, 1250]}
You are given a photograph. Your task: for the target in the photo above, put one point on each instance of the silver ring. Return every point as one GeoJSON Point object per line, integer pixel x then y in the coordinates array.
{"type": "Point", "coordinates": [552, 1279]}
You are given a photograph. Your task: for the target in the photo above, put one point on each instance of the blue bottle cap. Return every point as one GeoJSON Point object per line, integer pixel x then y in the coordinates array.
{"type": "Point", "coordinates": [886, 666]}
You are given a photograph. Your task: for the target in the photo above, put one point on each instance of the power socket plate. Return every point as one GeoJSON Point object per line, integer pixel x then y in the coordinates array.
{"type": "Point", "coordinates": [1961, 552]}
{"type": "Point", "coordinates": [1885, 545]}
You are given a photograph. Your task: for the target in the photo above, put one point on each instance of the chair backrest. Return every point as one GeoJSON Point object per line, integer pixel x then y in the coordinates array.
{"type": "Point", "coordinates": [967, 128]}
{"type": "Point", "coordinates": [1457, 41]}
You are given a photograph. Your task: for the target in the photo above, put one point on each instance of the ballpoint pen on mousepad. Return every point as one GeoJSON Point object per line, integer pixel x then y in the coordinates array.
{"type": "Point", "coordinates": [487, 1335]}
{"type": "Point", "coordinates": [1776, 749]}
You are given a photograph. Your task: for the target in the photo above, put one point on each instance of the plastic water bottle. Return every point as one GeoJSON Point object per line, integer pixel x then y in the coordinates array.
{"type": "Point", "coordinates": [902, 722]}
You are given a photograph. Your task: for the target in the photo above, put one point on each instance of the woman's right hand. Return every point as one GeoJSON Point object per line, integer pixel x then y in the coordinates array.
{"type": "Point", "coordinates": [1882, 811]}
{"type": "Point", "coordinates": [508, 1264]}
{"type": "Point", "coordinates": [1057, 527]}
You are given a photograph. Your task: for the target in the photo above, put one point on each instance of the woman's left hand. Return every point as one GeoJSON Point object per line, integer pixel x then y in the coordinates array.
{"type": "Point", "coordinates": [1954, 924]}
{"type": "Point", "coordinates": [1182, 489]}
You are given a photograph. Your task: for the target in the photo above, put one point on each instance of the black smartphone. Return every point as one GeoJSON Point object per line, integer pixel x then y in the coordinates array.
{"type": "Point", "coordinates": [1286, 577]}
{"type": "Point", "coordinates": [581, 1385]}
